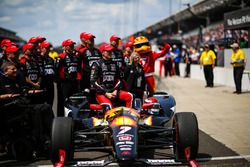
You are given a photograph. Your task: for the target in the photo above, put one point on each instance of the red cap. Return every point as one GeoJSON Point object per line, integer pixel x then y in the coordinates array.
{"type": "Point", "coordinates": [40, 38]}
{"type": "Point", "coordinates": [7, 44]}
{"type": "Point", "coordinates": [67, 42]}
{"type": "Point", "coordinates": [105, 47]}
{"type": "Point", "coordinates": [4, 41]}
{"type": "Point", "coordinates": [88, 36]}
{"type": "Point", "coordinates": [129, 44]}
{"type": "Point", "coordinates": [151, 100]}
{"type": "Point", "coordinates": [32, 40]}
{"type": "Point", "coordinates": [113, 38]}
{"type": "Point", "coordinates": [82, 35]}
{"type": "Point", "coordinates": [12, 49]}
{"type": "Point", "coordinates": [28, 46]}
{"type": "Point", "coordinates": [45, 44]}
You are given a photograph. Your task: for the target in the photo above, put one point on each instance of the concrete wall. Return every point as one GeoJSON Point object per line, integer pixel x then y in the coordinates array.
{"type": "Point", "coordinates": [227, 60]}
{"type": "Point", "coordinates": [222, 75]}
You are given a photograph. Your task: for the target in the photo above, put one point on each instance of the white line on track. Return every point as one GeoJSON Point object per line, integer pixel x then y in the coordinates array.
{"type": "Point", "coordinates": [199, 160]}
{"type": "Point", "coordinates": [224, 158]}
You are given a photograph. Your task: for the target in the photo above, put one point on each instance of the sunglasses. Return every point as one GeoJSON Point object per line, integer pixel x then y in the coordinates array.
{"type": "Point", "coordinates": [141, 44]}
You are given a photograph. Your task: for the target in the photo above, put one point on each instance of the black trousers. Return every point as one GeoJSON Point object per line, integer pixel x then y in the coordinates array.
{"type": "Point", "coordinates": [187, 69]}
{"type": "Point", "coordinates": [177, 68]}
{"type": "Point", "coordinates": [48, 85]}
{"type": "Point", "coordinates": [167, 67]}
{"type": "Point", "coordinates": [209, 75]}
{"type": "Point", "coordinates": [238, 72]}
{"type": "Point", "coordinates": [68, 88]}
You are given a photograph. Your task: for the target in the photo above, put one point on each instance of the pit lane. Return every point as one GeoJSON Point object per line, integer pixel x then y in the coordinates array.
{"type": "Point", "coordinates": [212, 153]}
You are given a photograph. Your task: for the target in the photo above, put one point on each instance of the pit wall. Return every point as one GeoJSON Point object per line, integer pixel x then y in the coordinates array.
{"type": "Point", "coordinates": [222, 75]}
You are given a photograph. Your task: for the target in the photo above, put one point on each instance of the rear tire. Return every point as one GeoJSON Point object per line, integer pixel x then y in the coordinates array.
{"type": "Point", "coordinates": [186, 135]}
{"type": "Point", "coordinates": [62, 138]}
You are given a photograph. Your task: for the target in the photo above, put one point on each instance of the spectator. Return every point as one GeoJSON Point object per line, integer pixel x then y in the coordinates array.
{"type": "Point", "coordinates": [220, 56]}
{"type": "Point", "coordinates": [187, 60]}
{"type": "Point", "coordinates": [237, 61]}
{"type": "Point", "coordinates": [168, 63]}
{"type": "Point", "coordinates": [53, 54]}
{"type": "Point", "coordinates": [177, 59]}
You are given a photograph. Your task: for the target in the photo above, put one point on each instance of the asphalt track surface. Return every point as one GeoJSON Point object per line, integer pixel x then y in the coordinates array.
{"type": "Point", "coordinates": [211, 154]}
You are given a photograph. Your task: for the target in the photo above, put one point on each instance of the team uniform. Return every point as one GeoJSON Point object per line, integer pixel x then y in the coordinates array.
{"type": "Point", "coordinates": [48, 78]}
{"type": "Point", "coordinates": [237, 60]}
{"type": "Point", "coordinates": [89, 56]}
{"type": "Point", "coordinates": [207, 60]}
{"type": "Point", "coordinates": [105, 78]}
{"type": "Point", "coordinates": [31, 69]}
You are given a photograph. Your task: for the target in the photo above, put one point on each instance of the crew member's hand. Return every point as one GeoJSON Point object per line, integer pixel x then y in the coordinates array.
{"type": "Point", "coordinates": [8, 96]}
{"type": "Point", "coordinates": [114, 93]}
{"type": "Point", "coordinates": [109, 95]}
{"type": "Point", "coordinates": [36, 85]}
{"type": "Point", "coordinates": [35, 91]}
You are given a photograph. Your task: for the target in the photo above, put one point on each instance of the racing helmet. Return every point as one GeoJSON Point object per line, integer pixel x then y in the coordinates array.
{"type": "Point", "coordinates": [155, 110]}
{"type": "Point", "coordinates": [141, 45]}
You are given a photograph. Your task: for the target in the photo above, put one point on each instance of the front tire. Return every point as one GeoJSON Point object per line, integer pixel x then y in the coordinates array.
{"type": "Point", "coordinates": [186, 135]}
{"type": "Point", "coordinates": [62, 138]}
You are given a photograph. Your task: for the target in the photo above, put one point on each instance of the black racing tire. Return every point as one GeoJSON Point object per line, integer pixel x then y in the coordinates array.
{"type": "Point", "coordinates": [186, 134]}
{"type": "Point", "coordinates": [62, 138]}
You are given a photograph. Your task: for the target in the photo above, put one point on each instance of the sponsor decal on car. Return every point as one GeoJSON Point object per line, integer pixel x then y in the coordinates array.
{"type": "Point", "coordinates": [120, 143]}
{"type": "Point", "coordinates": [91, 163]}
{"type": "Point", "coordinates": [130, 142]}
{"type": "Point", "coordinates": [125, 149]}
{"type": "Point", "coordinates": [124, 129]}
{"type": "Point", "coordinates": [124, 138]}
{"type": "Point", "coordinates": [125, 146]}
{"type": "Point", "coordinates": [160, 161]}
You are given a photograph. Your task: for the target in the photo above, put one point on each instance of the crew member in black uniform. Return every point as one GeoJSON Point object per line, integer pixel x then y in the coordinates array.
{"type": "Point", "coordinates": [105, 78]}
{"type": "Point", "coordinates": [48, 76]}
{"type": "Point", "coordinates": [89, 55]}
{"type": "Point", "coordinates": [36, 41]}
{"type": "Point", "coordinates": [30, 67]}
{"type": "Point", "coordinates": [39, 115]}
{"type": "Point", "coordinates": [117, 57]}
{"type": "Point", "coordinates": [69, 72]}
{"type": "Point", "coordinates": [5, 43]}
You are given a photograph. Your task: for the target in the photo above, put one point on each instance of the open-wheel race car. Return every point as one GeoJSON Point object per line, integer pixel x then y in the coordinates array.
{"type": "Point", "coordinates": [125, 132]}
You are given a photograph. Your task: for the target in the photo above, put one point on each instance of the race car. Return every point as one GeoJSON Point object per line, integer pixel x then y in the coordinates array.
{"type": "Point", "coordinates": [125, 132]}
